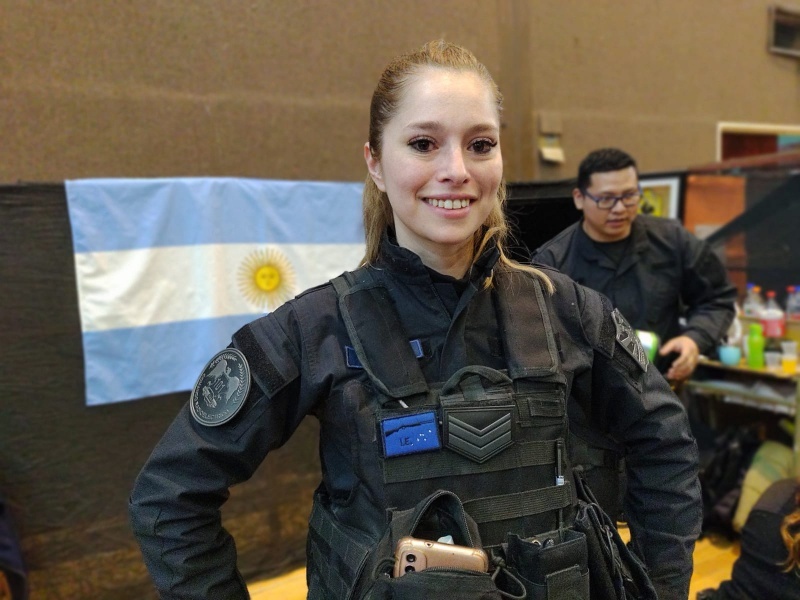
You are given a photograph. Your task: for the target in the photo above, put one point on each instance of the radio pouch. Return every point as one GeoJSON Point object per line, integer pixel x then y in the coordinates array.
{"type": "Point", "coordinates": [551, 566]}
{"type": "Point", "coordinates": [615, 571]}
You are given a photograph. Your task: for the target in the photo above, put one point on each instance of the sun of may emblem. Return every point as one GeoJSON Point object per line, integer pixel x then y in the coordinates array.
{"type": "Point", "coordinates": [267, 279]}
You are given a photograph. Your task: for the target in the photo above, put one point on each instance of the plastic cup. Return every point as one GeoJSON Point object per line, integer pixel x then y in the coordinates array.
{"type": "Point", "coordinates": [772, 360]}
{"type": "Point", "coordinates": [789, 363]}
{"type": "Point", "coordinates": [730, 355]}
{"type": "Point", "coordinates": [789, 347]}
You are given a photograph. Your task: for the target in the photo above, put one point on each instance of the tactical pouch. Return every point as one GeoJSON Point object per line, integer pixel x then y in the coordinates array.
{"type": "Point", "coordinates": [437, 583]}
{"type": "Point", "coordinates": [552, 566]}
{"type": "Point", "coordinates": [438, 515]}
{"type": "Point", "coordinates": [615, 571]}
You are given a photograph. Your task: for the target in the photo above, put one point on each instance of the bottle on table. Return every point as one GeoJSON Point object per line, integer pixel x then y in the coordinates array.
{"type": "Point", "coordinates": [773, 319]}
{"type": "Point", "coordinates": [753, 301]}
{"type": "Point", "coordinates": [755, 347]}
{"type": "Point", "coordinates": [793, 303]}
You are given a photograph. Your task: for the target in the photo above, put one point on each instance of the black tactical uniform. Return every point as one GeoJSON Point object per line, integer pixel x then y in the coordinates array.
{"type": "Point", "coordinates": [303, 361]}
{"type": "Point", "coordinates": [666, 273]}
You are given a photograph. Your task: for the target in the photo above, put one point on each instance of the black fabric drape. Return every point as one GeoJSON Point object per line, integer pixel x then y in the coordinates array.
{"type": "Point", "coordinates": [65, 468]}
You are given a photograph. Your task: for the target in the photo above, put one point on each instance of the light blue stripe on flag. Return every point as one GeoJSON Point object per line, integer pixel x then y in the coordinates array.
{"type": "Point", "coordinates": [168, 269]}
{"type": "Point", "coordinates": [125, 214]}
{"type": "Point", "coordinates": [152, 360]}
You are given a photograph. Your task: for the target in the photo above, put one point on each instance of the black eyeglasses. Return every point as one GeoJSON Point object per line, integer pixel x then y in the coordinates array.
{"type": "Point", "coordinates": [607, 202]}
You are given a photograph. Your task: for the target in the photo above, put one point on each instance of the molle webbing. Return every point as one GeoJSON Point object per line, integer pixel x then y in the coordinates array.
{"type": "Point", "coordinates": [386, 356]}
{"type": "Point", "coordinates": [336, 557]}
{"type": "Point", "coordinates": [521, 504]}
{"type": "Point", "coordinates": [432, 465]}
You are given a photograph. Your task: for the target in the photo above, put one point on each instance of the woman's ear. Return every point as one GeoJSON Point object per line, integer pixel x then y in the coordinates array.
{"type": "Point", "coordinates": [374, 167]}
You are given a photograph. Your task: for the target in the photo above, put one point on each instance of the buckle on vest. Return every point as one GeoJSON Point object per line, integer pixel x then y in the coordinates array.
{"type": "Point", "coordinates": [478, 433]}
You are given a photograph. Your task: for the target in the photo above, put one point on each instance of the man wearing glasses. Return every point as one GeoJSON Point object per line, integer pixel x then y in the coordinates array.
{"type": "Point", "coordinates": [650, 268]}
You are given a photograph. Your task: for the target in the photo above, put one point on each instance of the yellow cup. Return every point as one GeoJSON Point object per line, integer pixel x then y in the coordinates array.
{"type": "Point", "coordinates": [789, 363]}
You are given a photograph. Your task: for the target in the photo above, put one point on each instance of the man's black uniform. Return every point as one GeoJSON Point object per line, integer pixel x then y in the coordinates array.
{"type": "Point", "coordinates": [665, 273]}
{"type": "Point", "coordinates": [304, 362]}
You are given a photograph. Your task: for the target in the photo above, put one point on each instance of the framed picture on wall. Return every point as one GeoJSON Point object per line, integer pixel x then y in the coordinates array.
{"type": "Point", "coordinates": [661, 196]}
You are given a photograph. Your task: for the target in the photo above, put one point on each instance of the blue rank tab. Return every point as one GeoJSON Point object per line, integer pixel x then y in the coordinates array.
{"type": "Point", "coordinates": [410, 434]}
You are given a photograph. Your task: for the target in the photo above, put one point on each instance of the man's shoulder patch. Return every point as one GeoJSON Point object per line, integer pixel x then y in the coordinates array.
{"type": "Point", "coordinates": [221, 389]}
{"type": "Point", "coordinates": [626, 337]}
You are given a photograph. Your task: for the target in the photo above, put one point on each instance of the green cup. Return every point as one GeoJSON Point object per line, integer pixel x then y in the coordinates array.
{"type": "Point", "coordinates": [650, 342]}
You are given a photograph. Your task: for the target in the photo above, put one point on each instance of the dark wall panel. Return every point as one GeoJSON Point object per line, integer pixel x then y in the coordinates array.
{"type": "Point", "coordinates": [66, 469]}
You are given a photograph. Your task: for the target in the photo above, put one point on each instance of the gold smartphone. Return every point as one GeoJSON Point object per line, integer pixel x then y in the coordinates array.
{"type": "Point", "coordinates": [413, 555]}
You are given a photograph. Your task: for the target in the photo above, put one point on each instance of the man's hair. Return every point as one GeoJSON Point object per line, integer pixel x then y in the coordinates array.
{"type": "Point", "coordinates": [603, 160]}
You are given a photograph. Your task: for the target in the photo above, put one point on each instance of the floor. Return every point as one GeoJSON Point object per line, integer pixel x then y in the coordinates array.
{"type": "Point", "coordinates": [713, 560]}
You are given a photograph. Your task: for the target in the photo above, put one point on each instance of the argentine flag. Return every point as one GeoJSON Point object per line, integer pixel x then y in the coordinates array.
{"type": "Point", "coordinates": [168, 269]}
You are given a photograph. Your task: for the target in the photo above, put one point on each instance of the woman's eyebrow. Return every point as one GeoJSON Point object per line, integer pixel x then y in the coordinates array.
{"type": "Point", "coordinates": [436, 125]}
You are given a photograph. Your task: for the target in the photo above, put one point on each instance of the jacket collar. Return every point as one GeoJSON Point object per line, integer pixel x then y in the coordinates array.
{"type": "Point", "coordinates": [406, 265]}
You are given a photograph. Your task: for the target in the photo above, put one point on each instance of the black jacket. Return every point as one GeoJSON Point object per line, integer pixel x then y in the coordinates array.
{"type": "Point", "coordinates": [300, 368]}
{"type": "Point", "coordinates": [666, 274]}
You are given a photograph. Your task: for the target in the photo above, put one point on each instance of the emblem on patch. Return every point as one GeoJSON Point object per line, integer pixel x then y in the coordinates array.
{"type": "Point", "coordinates": [630, 342]}
{"type": "Point", "coordinates": [221, 389]}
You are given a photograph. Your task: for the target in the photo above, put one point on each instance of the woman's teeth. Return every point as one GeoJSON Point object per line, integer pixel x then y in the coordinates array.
{"type": "Point", "coordinates": [448, 204]}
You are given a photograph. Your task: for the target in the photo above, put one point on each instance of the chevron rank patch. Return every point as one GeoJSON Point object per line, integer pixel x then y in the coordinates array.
{"type": "Point", "coordinates": [478, 433]}
{"type": "Point", "coordinates": [630, 342]}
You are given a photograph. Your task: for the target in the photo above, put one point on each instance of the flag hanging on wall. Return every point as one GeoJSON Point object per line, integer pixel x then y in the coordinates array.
{"type": "Point", "coordinates": [168, 269]}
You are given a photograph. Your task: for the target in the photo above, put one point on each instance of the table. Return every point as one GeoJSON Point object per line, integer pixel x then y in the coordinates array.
{"type": "Point", "coordinates": [736, 383]}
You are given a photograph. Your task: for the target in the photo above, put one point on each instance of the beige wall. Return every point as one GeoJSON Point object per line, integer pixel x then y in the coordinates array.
{"type": "Point", "coordinates": [280, 89]}
{"type": "Point", "coordinates": [655, 77]}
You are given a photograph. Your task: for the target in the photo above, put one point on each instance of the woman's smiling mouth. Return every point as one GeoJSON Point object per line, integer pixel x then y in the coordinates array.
{"type": "Point", "coordinates": [449, 204]}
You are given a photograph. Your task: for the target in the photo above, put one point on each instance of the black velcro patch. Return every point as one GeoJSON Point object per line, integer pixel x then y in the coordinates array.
{"type": "Point", "coordinates": [260, 341]}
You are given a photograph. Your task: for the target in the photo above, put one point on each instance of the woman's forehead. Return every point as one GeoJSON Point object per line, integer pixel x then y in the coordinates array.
{"type": "Point", "coordinates": [432, 91]}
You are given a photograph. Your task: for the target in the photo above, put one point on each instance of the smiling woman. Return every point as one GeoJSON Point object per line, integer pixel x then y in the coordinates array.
{"type": "Point", "coordinates": [440, 372]}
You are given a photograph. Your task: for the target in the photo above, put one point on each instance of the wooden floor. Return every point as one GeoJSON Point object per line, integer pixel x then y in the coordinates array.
{"type": "Point", "coordinates": [713, 560]}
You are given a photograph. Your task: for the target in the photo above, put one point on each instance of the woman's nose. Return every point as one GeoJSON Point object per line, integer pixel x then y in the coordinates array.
{"type": "Point", "coordinates": [454, 166]}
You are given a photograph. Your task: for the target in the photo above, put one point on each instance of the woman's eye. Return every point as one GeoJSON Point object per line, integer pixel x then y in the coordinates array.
{"type": "Point", "coordinates": [421, 144]}
{"type": "Point", "coordinates": [483, 146]}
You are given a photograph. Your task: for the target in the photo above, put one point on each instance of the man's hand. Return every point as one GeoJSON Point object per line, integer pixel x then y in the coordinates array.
{"type": "Point", "coordinates": [688, 356]}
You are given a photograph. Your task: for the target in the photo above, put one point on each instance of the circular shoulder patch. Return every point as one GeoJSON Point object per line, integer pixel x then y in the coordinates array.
{"type": "Point", "coordinates": [221, 389]}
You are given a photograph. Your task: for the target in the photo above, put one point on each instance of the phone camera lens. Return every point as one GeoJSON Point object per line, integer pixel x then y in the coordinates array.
{"type": "Point", "coordinates": [410, 569]}
{"type": "Point", "coordinates": [411, 557]}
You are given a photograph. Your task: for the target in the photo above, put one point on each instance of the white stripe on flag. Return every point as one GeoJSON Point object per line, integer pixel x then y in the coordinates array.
{"type": "Point", "coordinates": [136, 288]}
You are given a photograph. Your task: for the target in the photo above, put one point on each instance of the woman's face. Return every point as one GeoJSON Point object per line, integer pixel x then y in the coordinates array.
{"type": "Point", "coordinates": [440, 164]}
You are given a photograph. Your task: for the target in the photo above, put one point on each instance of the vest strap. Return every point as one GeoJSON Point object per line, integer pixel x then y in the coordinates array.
{"type": "Point", "coordinates": [385, 353]}
{"type": "Point", "coordinates": [444, 464]}
{"type": "Point", "coordinates": [524, 330]}
{"type": "Point", "coordinates": [521, 504]}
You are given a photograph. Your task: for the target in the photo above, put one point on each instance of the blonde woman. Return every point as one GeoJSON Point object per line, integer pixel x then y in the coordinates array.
{"type": "Point", "coordinates": [441, 373]}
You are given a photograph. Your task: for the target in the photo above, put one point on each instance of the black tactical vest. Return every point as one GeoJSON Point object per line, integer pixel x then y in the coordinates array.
{"type": "Point", "coordinates": [495, 438]}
